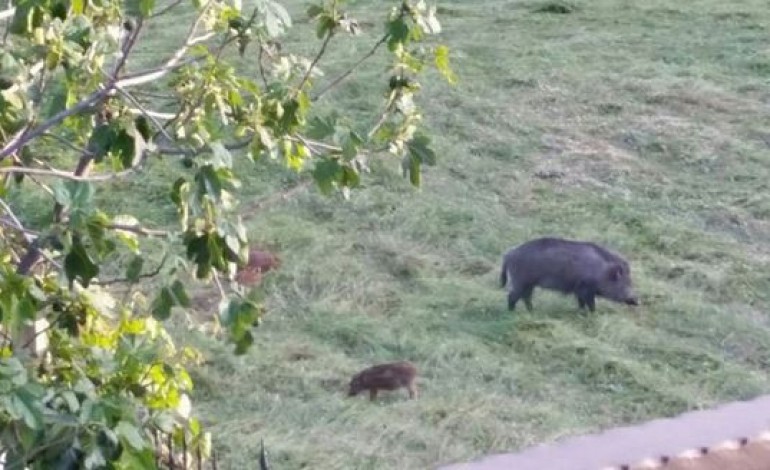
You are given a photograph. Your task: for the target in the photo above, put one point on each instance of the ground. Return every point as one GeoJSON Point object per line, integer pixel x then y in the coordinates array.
{"type": "Point", "coordinates": [640, 125]}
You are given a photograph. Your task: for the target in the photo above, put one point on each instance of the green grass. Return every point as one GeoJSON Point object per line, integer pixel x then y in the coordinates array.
{"type": "Point", "coordinates": [641, 125]}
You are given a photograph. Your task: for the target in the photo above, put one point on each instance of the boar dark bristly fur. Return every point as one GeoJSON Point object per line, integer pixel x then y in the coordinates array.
{"type": "Point", "coordinates": [389, 376]}
{"type": "Point", "coordinates": [567, 266]}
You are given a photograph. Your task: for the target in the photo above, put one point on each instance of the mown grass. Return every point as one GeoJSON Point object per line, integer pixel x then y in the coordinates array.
{"type": "Point", "coordinates": [641, 125]}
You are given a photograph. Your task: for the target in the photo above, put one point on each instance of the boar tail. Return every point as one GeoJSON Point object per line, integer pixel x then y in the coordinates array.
{"type": "Point", "coordinates": [504, 274]}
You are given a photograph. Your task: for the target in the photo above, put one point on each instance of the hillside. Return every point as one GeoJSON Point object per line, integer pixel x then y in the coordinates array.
{"type": "Point", "coordinates": [644, 126]}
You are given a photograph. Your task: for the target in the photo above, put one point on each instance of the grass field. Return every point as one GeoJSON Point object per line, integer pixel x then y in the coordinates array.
{"type": "Point", "coordinates": [641, 125]}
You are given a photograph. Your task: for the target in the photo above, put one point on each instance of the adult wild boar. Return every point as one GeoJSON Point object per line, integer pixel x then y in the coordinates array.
{"type": "Point", "coordinates": [567, 266]}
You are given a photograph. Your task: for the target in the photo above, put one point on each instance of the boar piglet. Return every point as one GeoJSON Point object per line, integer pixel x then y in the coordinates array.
{"type": "Point", "coordinates": [584, 269]}
{"type": "Point", "coordinates": [389, 376]}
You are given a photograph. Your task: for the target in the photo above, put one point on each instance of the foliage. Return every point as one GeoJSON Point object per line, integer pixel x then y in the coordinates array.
{"type": "Point", "coordinates": [76, 115]}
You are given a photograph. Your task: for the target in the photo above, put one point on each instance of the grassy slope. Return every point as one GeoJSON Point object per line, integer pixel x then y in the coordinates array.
{"type": "Point", "coordinates": [642, 125]}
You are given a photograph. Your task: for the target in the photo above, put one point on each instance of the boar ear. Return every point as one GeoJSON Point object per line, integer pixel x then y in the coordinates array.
{"type": "Point", "coordinates": [615, 272]}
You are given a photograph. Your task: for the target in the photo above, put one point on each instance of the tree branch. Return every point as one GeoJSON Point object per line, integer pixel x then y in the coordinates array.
{"type": "Point", "coordinates": [166, 9]}
{"type": "Point", "coordinates": [16, 222]}
{"type": "Point", "coordinates": [321, 51]}
{"type": "Point", "coordinates": [74, 176]}
{"type": "Point", "coordinates": [172, 63]}
{"type": "Point", "coordinates": [360, 61]}
{"type": "Point", "coordinates": [139, 230]}
{"type": "Point", "coordinates": [150, 274]}
{"type": "Point", "coordinates": [22, 138]}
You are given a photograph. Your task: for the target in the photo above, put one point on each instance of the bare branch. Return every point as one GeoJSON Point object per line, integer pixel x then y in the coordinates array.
{"type": "Point", "coordinates": [126, 47]}
{"type": "Point", "coordinates": [222, 294]}
{"type": "Point", "coordinates": [65, 142]}
{"type": "Point", "coordinates": [166, 9]}
{"type": "Point", "coordinates": [321, 51]}
{"type": "Point", "coordinates": [172, 63]}
{"type": "Point", "coordinates": [274, 198]}
{"type": "Point", "coordinates": [261, 66]}
{"type": "Point", "coordinates": [139, 230]}
{"type": "Point", "coordinates": [22, 138]}
{"type": "Point", "coordinates": [73, 176]}
{"type": "Point", "coordinates": [314, 145]}
{"type": "Point", "coordinates": [150, 115]}
{"type": "Point", "coordinates": [17, 223]}
{"type": "Point", "coordinates": [150, 274]}
{"type": "Point", "coordinates": [151, 75]}
{"type": "Point", "coordinates": [342, 77]}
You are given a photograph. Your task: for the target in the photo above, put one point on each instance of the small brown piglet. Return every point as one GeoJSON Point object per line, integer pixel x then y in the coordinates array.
{"type": "Point", "coordinates": [389, 376]}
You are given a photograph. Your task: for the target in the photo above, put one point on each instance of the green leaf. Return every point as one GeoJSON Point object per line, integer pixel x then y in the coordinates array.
{"type": "Point", "coordinates": [101, 140]}
{"type": "Point", "coordinates": [134, 268]}
{"type": "Point", "coordinates": [139, 7]}
{"type": "Point", "coordinates": [130, 459]}
{"type": "Point", "coordinates": [327, 171]}
{"type": "Point", "coordinates": [131, 435]}
{"type": "Point", "coordinates": [243, 343]}
{"type": "Point", "coordinates": [411, 166]}
{"type": "Point", "coordinates": [25, 405]}
{"type": "Point", "coordinates": [143, 126]}
{"type": "Point", "coordinates": [277, 19]}
{"type": "Point", "coordinates": [78, 264]}
{"type": "Point", "coordinates": [442, 64]}
{"type": "Point", "coordinates": [146, 6]}
{"type": "Point", "coordinates": [78, 6]}
{"type": "Point", "coordinates": [419, 148]}
{"type": "Point", "coordinates": [398, 32]}
{"type": "Point", "coordinates": [326, 25]}
{"type": "Point", "coordinates": [239, 317]}
{"type": "Point", "coordinates": [161, 306]}
{"type": "Point", "coordinates": [26, 17]}
{"type": "Point", "coordinates": [180, 295]}
{"type": "Point", "coordinates": [124, 148]}
{"type": "Point", "coordinates": [314, 10]}
{"type": "Point", "coordinates": [61, 194]}
{"type": "Point", "coordinates": [319, 127]}
{"type": "Point", "coordinates": [221, 157]}
{"type": "Point", "coordinates": [180, 187]}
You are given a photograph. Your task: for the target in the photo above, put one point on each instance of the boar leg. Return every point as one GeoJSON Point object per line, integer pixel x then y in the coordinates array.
{"type": "Point", "coordinates": [520, 292]}
{"type": "Point", "coordinates": [412, 390]}
{"type": "Point", "coordinates": [372, 394]}
{"type": "Point", "coordinates": [586, 296]}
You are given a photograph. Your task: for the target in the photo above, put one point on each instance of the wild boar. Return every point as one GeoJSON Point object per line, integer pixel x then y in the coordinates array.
{"type": "Point", "coordinates": [567, 266]}
{"type": "Point", "coordinates": [259, 263]}
{"type": "Point", "coordinates": [390, 376]}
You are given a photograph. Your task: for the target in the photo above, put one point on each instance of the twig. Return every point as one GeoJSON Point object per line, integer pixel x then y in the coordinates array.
{"type": "Point", "coordinates": [144, 111]}
{"type": "Point", "coordinates": [19, 226]}
{"type": "Point", "coordinates": [30, 236]}
{"type": "Point", "coordinates": [15, 226]}
{"type": "Point", "coordinates": [166, 9]}
{"type": "Point", "coordinates": [133, 34]}
{"type": "Point", "coordinates": [317, 57]}
{"type": "Point", "coordinates": [38, 333]}
{"type": "Point", "coordinates": [261, 67]}
{"type": "Point", "coordinates": [151, 75]}
{"type": "Point", "coordinates": [153, 273]}
{"type": "Point", "coordinates": [280, 196]}
{"type": "Point", "coordinates": [173, 62]}
{"type": "Point", "coordinates": [73, 176]}
{"type": "Point", "coordinates": [65, 142]}
{"type": "Point", "coordinates": [105, 90]}
{"type": "Point", "coordinates": [222, 294]}
{"type": "Point", "coordinates": [342, 77]}
{"type": "Point", "coordinates": [139, 230]}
